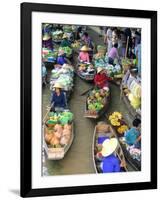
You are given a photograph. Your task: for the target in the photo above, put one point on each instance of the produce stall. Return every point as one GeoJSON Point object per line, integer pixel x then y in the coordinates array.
{"type": "Point", "coordinates": [85, 71]}
{"type": "Point", "coordinates": [63, 75]}
{"type": "Point", "coordinates": [58, 134]}
{"type": "Point", "coordinates": [97, 103]}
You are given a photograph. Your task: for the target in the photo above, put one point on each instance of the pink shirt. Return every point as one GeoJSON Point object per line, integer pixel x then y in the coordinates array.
{"type": "Point", "coordinates": [113, 53]}
{"type": "Point", "coordinates": [84, 56]}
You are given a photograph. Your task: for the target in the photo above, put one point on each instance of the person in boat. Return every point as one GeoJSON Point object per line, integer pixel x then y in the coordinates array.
{"type": "Point", "coordinates": [130, 76]}
{"type": "Point", "coordinates": [87, 40]}
{"type": "Point", "coordinates": [84, 55]}
{"type": "Point", "coordinates": [58, 99]}
{"type": "Point", "coordinates": [47, 41]}
{"type": "Point", "coordinates": [110, 162]}
{"type": "Point", "coordinates": [113, 54]}
{"type": "Point", "coordinates": [61, 59]}
{"type": "Point", "coordinates": [133, 135]}
{"type": "Point", "coordinates": [101, 79]}
{"type": "Point", "coordinates": [65, 42]}
{"type": "Point", "coordinates": [44, 74]}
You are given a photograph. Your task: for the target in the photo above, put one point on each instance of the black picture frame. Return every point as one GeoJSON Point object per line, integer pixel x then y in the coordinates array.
{"type": "Point", "coordinates": [26, 104]}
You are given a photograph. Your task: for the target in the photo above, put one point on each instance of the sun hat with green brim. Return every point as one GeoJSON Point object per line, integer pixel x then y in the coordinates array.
{"type": "Point", "coordinates": [84, 48]}
{"type": "Point", "coordinates": [46, 37]}
{"type": "Point", "coordinates": [57, 85]}
{"type": "Point", "coordinates": [109, 146]}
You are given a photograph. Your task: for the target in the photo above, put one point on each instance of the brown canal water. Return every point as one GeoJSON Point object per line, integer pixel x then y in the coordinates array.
{"type": "Point", "coordinates": [78, 159]}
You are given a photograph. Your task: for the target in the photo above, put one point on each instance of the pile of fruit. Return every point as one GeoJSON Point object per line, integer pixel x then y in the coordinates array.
{"type": "Point", "coordinates": [76, 44]}
{"type": "Point", "coordinates": [114, 71]}
{"type": "Point", "coordinates": [49, 55]}
{"type": "Point", "coordinates": [58, 135]}
{"type": "Point", "coordinates": [67, 51]}
{"type": "Point", "coordinates": [127, 63]}
{"type": "Point", "coordinates": [96, 100]}
{"type": "Point", "coordinates": [122, 129]}
{"type": "Point", "coordinates": [67, 28]}
{"type": "Point", "coordinates": [58, 129]}
{"type": "Point", "coordinates": [116, 119]}
{"type": "Point", "coordinates": [86, 68]}
{"type": "Point", "coordinates": [101, 49]}
{"type": "Point", "coordinates": [57, 35]}
{"type": "Point", "coordinates": [64, 76]}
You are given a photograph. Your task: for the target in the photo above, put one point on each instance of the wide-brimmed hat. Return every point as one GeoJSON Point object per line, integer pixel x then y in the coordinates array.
{"type": "Point", "coordinates": [109, 146]}
{"type": "Point", "coordinates": [99, 69]}
{"type": "Point", "coordinates": [84, 48]}
{"type": "Point", "coordinates": [57, 85]}
{"type": "Point", "coordinates": [46, 37]}
{"type": "Point", "coordinates": [64, 36]}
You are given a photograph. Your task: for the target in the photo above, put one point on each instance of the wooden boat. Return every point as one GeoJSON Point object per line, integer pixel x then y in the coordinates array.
{"type": "Point", "coordinates": [89, 77]}
{"type": "Point", "coordinates": [96, 114]}
{"type": "Point", "coordinates": [53, 152]}
{"type": "Point", "coordinates": [59, 152]}
{"type": "Point", "coordinates": [134, 163]}
{"type": "Point", "coordinates": [110, 133]}
{"type": "Point", "coordinates": [132, 111]}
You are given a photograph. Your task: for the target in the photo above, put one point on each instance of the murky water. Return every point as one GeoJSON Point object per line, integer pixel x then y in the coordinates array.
{"type": "Point", "coordinates": [78, 159]}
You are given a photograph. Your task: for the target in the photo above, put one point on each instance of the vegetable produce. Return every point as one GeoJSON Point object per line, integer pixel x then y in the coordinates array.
{"type": "Point", "coordinates": [134, 101]}
{"type": "Point", "coordinates": [67, 50]}
{"type": "Point", "coordinates": [96, 100]}
{"type": "Point", "coordinates": [60, 133]}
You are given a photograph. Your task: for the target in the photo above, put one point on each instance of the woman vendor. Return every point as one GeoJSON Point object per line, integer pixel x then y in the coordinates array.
{"type": "Point", "coordinates": [65, 42]}
{"type": "Point", "coordinates": [101, 78]}
{"type": "Point", "coordinates": [133, 136]}
{"type": "Point", "coordinates": [61, 59]}
{"type": "Point", "coordinates": [84, 55]}
{"type": "Point", "coordinates": [58, 98]}
{"type": "Point", "coordinates": [113, 54]}
{"type": "Point", "coordinates": [110, 163]}
{"type": "Point", "coordinates": [87, 40]}
{"type": "Point", "coordinates": [47, 41]}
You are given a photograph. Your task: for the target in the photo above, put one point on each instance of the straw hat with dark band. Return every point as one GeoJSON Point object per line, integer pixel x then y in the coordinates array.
{"type": "Point", "coordinates": [99, 69]}
{"type": "Point", "coordinates": [46, 37]}
{"type": "Point", "coordinates": [109, 146]}
{"type": "Point", "coordinates": [58, 85]}
{"type": "Point", "coordinates": [84, 48]}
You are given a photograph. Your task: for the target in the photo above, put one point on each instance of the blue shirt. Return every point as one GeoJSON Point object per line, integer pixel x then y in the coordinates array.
{"type": "Point", "coordinates": [131, 136]}
{"type": "Point", "coordinates": [111, 164]}
{"type": "Point", "coordinates": [61, 60]}
{"type": "Point", "coordinates": [59, 101]}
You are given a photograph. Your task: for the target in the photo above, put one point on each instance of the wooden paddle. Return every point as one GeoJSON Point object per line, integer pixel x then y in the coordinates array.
{"type": "Point", "coordinates": [86, 91]}
{"type": "Point", "coordinates": [48, 110]}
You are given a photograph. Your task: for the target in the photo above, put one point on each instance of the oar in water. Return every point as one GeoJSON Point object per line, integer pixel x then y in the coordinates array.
{"type": "Point", "coordinates": [86, 91]}
{"type": "Point", "coordinates": [48, 110]}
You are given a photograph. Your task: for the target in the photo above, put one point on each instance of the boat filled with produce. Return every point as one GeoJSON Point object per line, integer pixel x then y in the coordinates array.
{"type": "Point", "coordinates": [58, 134]}
{"type": "Point", "coordinates": [97, 102]}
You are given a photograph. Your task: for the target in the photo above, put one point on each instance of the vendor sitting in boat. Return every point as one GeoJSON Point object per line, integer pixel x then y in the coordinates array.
{"type": "Point", "coordinates": [58, 100]}
{"type": "Point", "coordinates": [65, 42]}
{"type": "Point", "coordinates": [133, 136]}
{"type": "Point", "coordinates": [61, 59]}
{"type": "Point", "coordinates": [110, 162]}
{"type": "Point", "coordinates": [101, 78]}
{"type": "Point", "coordinates": [84, 55]}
